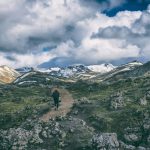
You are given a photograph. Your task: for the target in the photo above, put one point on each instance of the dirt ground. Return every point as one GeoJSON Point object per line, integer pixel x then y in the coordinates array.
{"type": "Point", "coordinates": [64, 108]}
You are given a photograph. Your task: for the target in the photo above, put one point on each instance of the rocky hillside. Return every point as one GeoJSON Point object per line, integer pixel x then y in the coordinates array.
{"type": "Point", "coordinates": [7, 74]}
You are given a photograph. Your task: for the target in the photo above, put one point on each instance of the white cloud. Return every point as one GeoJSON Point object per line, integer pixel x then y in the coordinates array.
{"type": "Point", "coordinates": [68, 25]}
{"type": "Point", "coordinates": [106, 50]}
{"type": "Point", "coordinates": [93, 50]}
{"type": "Point", "coordinates": [45, 20]}
{"type": "Point", "coordinates": [19, 60]}
{"type": "Point", "coordinates": [136, 34]}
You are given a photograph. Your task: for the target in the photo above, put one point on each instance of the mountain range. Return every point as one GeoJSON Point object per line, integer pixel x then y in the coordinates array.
{"type": "Point", "coordinates": [74, 72]}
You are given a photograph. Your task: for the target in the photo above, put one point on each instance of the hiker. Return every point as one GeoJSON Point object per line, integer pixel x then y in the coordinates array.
{"type": "Point", "coordinates": [56, 96]}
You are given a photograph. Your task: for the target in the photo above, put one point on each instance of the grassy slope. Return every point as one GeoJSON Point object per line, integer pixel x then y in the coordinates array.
{"type": "Point", "coordinates": [18, 102]}
{"type": "Point", "coordinates": [101, 117]}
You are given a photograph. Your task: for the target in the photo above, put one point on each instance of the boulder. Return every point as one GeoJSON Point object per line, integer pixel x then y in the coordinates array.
{"type": "Point", "coordinates": [126, 147]}
{"type": "Point", "coordinates": [148, 139]}
{"type": "Point", "coordinates": [132, 137]}
{"type": "Point", "coordinates": [84, 100]}
{"type": "Point", "coordinates": [141, 148]}
{"type": "Point", "coordinates": [143, 101]}
{"type": "Point", "coordinates": [117, 101]}
{"type": "Point", "coordinates": [105, 141]}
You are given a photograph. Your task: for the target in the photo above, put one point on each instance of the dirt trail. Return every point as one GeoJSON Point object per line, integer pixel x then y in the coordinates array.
{"type": "Point", "coordinates": [65, 106]}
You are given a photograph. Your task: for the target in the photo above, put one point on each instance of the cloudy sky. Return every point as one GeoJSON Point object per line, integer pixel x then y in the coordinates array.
{"type": "Point", "coordinates": [62, 32]}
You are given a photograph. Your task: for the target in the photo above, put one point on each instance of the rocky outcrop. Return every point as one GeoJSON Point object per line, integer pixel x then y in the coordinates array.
{"type": "Point", "coordinates": [105, 141]}
{"type": "Point", "coordinates": [34, 134]}
{"type": "Point", "coordinates": [126, 146]}
{"type": "Point", "coordinates": [84, 100]}
{"type": "Point", "coordinates": [148, 95]}
{"type": "Point", "coordinates": [143, 101]}
{"type": "Point", "coordinates": [19, 138]}
{"type": "Point", "coordinates": [117, 101]}
{"type": "Point", "coordinates": [132, 137]}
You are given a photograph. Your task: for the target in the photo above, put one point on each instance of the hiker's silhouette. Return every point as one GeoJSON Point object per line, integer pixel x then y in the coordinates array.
{"type": "Point", "coordinates": [56, 96]}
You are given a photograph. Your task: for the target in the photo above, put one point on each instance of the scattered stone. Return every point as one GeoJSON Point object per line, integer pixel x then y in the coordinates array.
{"type": "Point", "coordinates": [44, 134]}
{"type": "Point", "coordinates": [148, 95]}
{"type": "Point", "coordinates": [61, 144]}
{"type": "Point", "coordinates": [143, 101]}
{"type": "Point", "coordinates": [71, 130]}
{"type": "Point", "coordinates": [105, 141]}
{"type": "Point", "coordinates": [132, 134]}
{"type": "Point", "coordinates": [132, 137]}
{"type": "Point", "coordinates": [84, 100]}
{"type": "Point", "coordinates": [126, 147]}
{"type": "Point", "coordinates": [70, 118]}
{"type": "Point", "coordinates": [76, 112]}
{"type": "Point", "coordinates": [117, 101]}
{"type": "Point", "coordinates": [141, 148]}
{"type": "Point", "coordinates": [148, 139]}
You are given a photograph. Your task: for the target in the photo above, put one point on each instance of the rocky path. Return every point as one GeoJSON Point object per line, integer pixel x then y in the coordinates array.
{"type": "Point", "coordinates": [64, 108]}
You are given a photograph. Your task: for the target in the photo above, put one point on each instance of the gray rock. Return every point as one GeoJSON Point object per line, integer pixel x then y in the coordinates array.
{"type": "Point", "coordinates": [126, 147]}
{"type": "Point", "coordinates": [84, 100]}
{"type": "Point", "coordinates": [143, 101]}
{"type": "Point", "coordinates": [71, 130]}
{"type": "Point", "coordinates": [83, 122]}
{"type": "Point", "coordinates": [76, 112]}
{"type": "Point", "coordinates": [146, 121]}
{"type": "Point", "coordinates": [117, 101]}
{"type": "Point", "coordinates": [141, 148]}
{"type": "Point", "coordinates": [148, 139]}
{"type": "Point", "coordinates": [105, 141]}
{"type": "Point", "coordinates": [132, 137]}
{"type": "Point", "coordinates": [148, 95]}
{"type": "Point", "coordinates": [44, 134]}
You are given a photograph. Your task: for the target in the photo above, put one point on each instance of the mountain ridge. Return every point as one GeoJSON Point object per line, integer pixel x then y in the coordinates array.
{"type": "Point", "coordinates": [7, 74]}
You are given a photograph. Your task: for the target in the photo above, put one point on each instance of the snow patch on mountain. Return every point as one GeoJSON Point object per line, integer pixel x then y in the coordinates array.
{"type": "Point", "coordinates": [128, 66]}
{"type": "Point", "coordinates": [55, 69]}
{"type": "Point", "coordinates": [71, 70]}
{"type": "Point", "coordinates": [103, 68]}
{"type": "Point", "coordinates": [78, 69]}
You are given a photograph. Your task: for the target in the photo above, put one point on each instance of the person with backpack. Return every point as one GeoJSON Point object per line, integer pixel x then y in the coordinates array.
{"type": "Point", "coordinates": [56, 96]}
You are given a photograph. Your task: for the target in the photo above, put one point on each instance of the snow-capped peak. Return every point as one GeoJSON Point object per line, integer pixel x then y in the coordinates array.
{"type": "Point", "coordinates": [103, 68]}
{"type": "Point", "coordinates": [72, 70]}
{"type": "Point", "coordinates": [77, 69]}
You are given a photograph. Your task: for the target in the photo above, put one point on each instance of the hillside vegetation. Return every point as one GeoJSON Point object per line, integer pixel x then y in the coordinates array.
{"type": "Point", "coordinates": [113, 114]}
